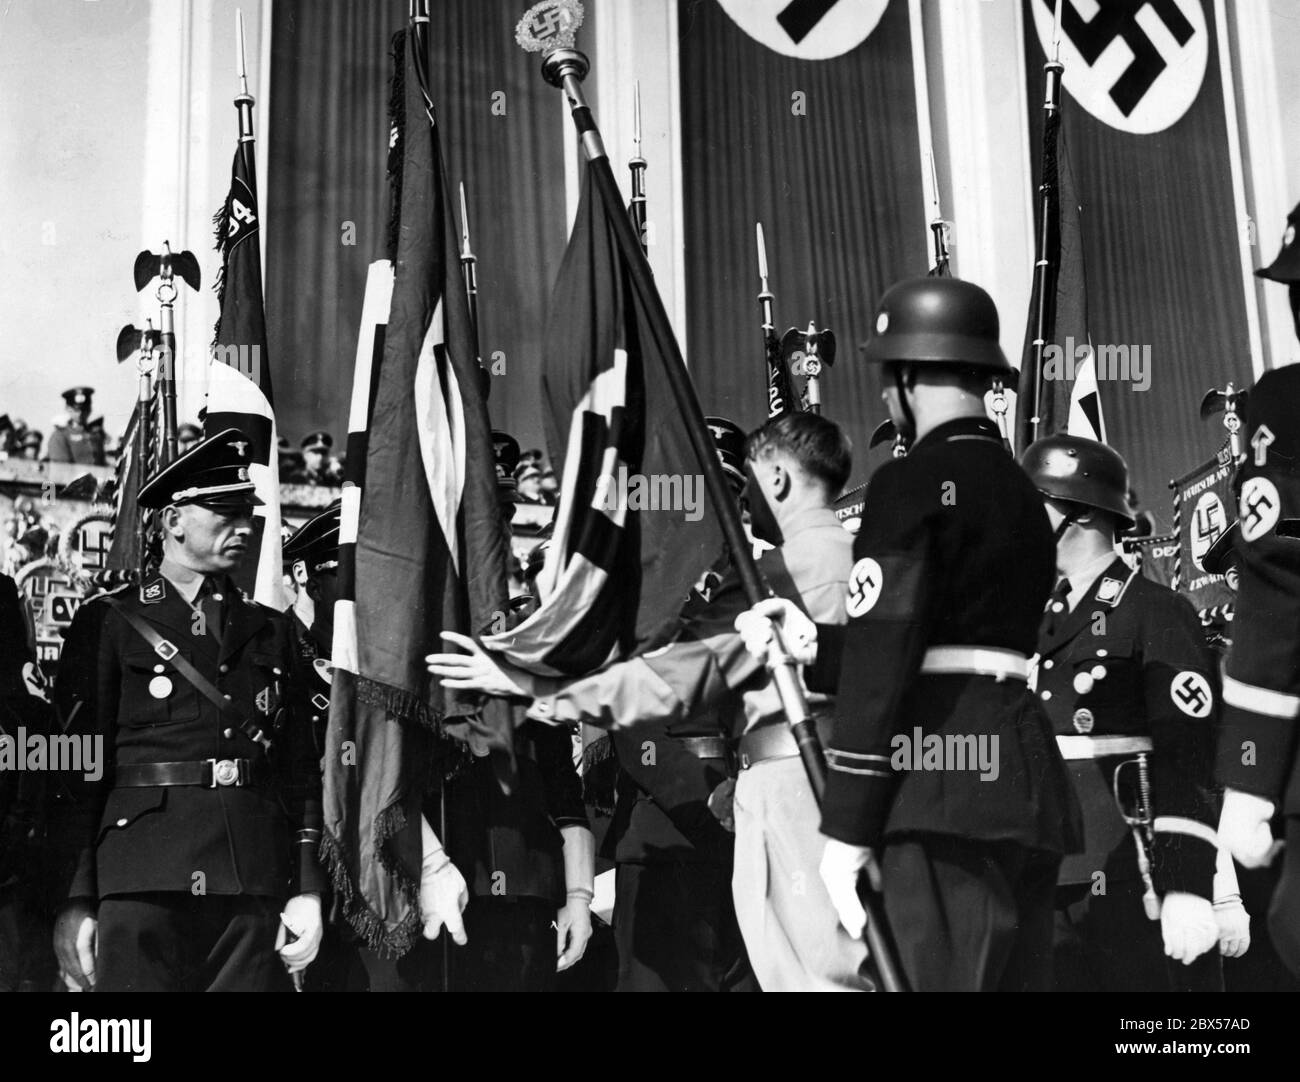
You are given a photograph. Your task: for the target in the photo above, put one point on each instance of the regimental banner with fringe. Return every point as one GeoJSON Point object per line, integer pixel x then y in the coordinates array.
{"type": "Point", "coordinates": [239, 375]}
{"type": "Point", "coordinates": [428, 549]}
{"type": "Point", "coordinates": [633, 532]}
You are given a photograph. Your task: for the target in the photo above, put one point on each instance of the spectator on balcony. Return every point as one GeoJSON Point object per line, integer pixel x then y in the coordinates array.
{"type": "Point", "coordinates": [319, 466]}
{"type": "Point", "coordinates": [77, 439]}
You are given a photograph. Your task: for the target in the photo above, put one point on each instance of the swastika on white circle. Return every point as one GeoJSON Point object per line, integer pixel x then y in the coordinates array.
{"type": "Point", "coordinates": [1209, 520]}
{"type": "Point", "coordinates": [1259, 507]}
{"type": "Point", "coordinates": [808, 29]}
{"type": "Point", "coordinates": [1191, 693]}
{"type": "Point", "coordinates": [1136, 65]}
{"type": "Point", "coordinates": [865, 583]}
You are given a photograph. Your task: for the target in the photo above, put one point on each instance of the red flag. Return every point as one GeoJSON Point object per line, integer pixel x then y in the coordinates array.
{"type": "Point", "coordinates": [632, 531]}
{"type": "Point", "coordinates": [430, 548]}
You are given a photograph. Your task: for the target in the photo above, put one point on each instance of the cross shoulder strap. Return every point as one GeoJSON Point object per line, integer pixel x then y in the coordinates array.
{"type": "Point", "coordinates": [171, 654]}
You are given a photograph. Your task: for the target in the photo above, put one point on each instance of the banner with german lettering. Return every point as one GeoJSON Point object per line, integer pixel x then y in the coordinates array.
{"type": "Point", "coordinates": [1148, 147]}
{"type": "Point", "coordinates": [1204, 507]}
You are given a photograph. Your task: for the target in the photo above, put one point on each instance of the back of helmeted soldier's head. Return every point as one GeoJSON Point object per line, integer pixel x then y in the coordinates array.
{"type": "Point", "coordinates": [818, 447]}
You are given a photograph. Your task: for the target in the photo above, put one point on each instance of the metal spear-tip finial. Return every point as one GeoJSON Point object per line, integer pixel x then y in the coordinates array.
{"type": "Point", "coordinates": [466, 253]}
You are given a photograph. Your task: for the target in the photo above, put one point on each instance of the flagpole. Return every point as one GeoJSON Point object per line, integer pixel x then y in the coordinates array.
{"type": "Point", "coordinates": [244, 100]}
{"type": "Point", "coordinates": [565, 67]}
{"type": "Point", "coordinates": [468, 272]}
{"type": "Point", "coordinates": [779, 391]}
{"type": "Point", "coordinates": [1044, 271]}
{"type": "Point", "coordinates": [637, 166]}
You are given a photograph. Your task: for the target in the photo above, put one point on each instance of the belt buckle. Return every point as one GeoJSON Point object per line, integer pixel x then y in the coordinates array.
{"type": "Point", "coordinates": [166, 650]}
{"type": "Point", "coordinates": [225, 772]}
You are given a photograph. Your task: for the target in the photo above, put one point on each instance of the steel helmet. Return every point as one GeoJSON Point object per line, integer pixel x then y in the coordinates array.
{"type": "Point", "coordinates": [1080, 471]}
{"type": "Point", "coordinates": [937, 321]}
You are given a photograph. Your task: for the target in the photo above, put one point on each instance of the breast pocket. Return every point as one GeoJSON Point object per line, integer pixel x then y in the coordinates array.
{"type": "Point", "coordinates": [154, 692]}
{"type": "Point", "coordinates": [1107, 682]}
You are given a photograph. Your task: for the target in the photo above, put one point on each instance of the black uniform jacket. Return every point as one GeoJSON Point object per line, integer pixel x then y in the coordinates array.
{"type": "Point", "coordinates": [509, 846]}
{"type": "Point", "coordinates": [955, 549]}
{"type": "Point", "coordinates": [24, 713]}
{"type": "Point", "coordinates": [1261, 681]}
{"type": "Point", "coordinates": [221, 840]}
{"type": "Point", "coordinates": [1130, 660]}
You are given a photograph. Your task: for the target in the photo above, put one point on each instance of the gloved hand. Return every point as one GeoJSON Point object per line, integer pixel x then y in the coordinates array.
{"type": "Point", "coordinates": [1244, 829]}
{"type": "Point", "coordinates": [1188, 926]}
{"type": "Point", "coordinates": [1234, 927]}
{"type": "Point", "coordinates": [443, 893]}
{"type": "Point", "coordinates": [841, 866]}
{"type": "Point", "coordinates": [1229, 912]}
{"type": "Point", "coordinates": [799, 633]}
{"type": "Point", "coordinates": [302, 920]}
{"type": "Point", "coordinates": [75, 934]}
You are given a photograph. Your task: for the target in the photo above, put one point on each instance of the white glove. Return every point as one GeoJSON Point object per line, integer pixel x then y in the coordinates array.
{"type": "Point", "coordinates": [841, 866]}
{"type": "Point", "coordinates": [1234, 927]}
{"type": "Point", "coordinates": [302, 919]}
{"type": "Point", "coordinates": [75, 939]}
{"type": "Point", "coordinates": [443, 893]}
{"type": "Point", "coordinates": [1244, 829]}
{"type": "Point", "coordinates": [1229, 911]}
{"type": "Point", "coordinates": [1188, 926]}
{"type": "Point", "coordinates": [797, 631]}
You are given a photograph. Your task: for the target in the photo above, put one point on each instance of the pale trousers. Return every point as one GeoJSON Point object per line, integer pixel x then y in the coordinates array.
{"type": "Point", "coordinates": [791, 931]}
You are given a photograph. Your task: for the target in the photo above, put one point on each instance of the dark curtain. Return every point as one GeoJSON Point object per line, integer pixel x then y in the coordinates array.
{"type": "Point", "coordinates": [1162, 269]}
{"type": "Point", "coordinates": [838, 191]}
{"type": "Point", "coordinates": [503, 135]}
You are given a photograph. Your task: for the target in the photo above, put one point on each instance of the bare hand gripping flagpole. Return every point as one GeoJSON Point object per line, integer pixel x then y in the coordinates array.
{"type": "Point", "coordinates": [549, 28]}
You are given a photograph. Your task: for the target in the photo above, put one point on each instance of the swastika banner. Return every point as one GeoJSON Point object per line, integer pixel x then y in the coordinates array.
{"type": "Point", "coordinates": [1146, 145]}
{"type": "Point", "coordinates": [1204, 508]}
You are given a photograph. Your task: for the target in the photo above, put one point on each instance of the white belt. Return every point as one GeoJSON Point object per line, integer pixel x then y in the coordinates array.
{"type": "Point", "coordinates": [1099, 747]}
{"type": "Point", "coordinates": [976, 661]}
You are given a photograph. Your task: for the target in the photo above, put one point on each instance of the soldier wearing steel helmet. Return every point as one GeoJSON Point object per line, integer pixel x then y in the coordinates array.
{"type": "Point", "coordinates": [1124, 672]}
{"type": "Point", "coordinates": [953, 565]}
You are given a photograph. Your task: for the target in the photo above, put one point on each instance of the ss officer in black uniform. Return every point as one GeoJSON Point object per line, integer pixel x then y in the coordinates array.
{"type": "Point", "coordinates": [945, 783]}
{"type": "Point", "coordinates": [312, 554]}
{"type": "Point", "coordinates": [194, 859]}
{"type": "Point", "coordinates": [1257, 754]}
{"type": "Point", "coordinates": [1126, 676]}
{"type": "Point", "coordinates": [26, 961]}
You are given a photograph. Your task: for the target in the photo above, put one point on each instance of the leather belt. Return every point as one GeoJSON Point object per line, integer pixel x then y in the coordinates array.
{"type": "Point", "coordinates": [976, 661]}
{"type": "Point", "coordinates": [207, 774]}
{"type": "Point", "coordinates": [775, 741]}
{"type": "Point", "coordinates": [704, 747]}
{"type": "Point", "coordinates": [1099, 747]}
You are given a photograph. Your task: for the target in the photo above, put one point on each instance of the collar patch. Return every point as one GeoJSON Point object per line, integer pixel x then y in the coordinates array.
{"type": "Point", "coordinates": [1109, 589]}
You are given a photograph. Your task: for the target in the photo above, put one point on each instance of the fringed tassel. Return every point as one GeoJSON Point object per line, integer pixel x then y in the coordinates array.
{"type": "Point", "coordinates": [390, 942]}
{"type": "Point", "coordinates": [400, 703]}
{"type": "Point", "coordinates": [599, 769]}
{"type": "Point", "coordinates": [396, 130]}
{"type": "Point", "coordinates": [221, 227]}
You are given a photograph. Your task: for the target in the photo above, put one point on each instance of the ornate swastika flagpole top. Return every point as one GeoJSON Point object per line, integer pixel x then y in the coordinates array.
{"type": "Point", "coordinates": [551, 28]}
